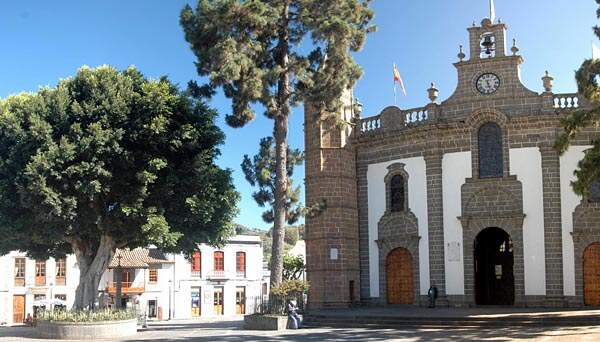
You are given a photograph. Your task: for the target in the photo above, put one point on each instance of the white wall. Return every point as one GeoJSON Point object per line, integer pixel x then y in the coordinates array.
{"type": "Point", "coordinates": [569, 200]}
{"type": "Point", "coordinates": [417, 202]}
{"type": "Point", "coordinates": [526, 164]}
{"type": "Point", "coordinates": [455, 168]}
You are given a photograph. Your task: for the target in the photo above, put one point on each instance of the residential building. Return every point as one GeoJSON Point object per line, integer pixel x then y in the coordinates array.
{"type": "Point", "coordinates": [25, 281]}
{"type": "Point", "coordinates": [216, 281]}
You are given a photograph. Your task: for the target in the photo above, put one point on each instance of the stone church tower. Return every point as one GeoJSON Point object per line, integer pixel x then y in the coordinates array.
{"type": "Point", "coordinates": [467, 194]}
{"type": "Point", "coordinates": [332, 239]}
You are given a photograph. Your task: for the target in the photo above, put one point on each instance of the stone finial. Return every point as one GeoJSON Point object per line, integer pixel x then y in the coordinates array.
{"type": "Point", "coordinates": [547, 81]}
{"type": "Point", "coordinates": [514, 47]}
{"type": "Point", "coordinates": [433, 93]}
{"type": "Point", "coordinates": [461, 54]}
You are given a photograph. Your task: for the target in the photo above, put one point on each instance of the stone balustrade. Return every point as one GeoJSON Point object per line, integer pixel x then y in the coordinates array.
{"type": "Point", "coordinates": [394, 118]}
{"type": "Point", "coordinates": [566, 101]}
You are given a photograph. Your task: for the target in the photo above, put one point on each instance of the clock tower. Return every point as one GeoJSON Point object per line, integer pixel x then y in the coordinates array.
{"type": "Point", "coordinates": [489, 73]}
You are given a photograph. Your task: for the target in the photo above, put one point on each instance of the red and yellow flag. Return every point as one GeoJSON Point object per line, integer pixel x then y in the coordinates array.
{"type": "Point", "coordinates": [398, 79]}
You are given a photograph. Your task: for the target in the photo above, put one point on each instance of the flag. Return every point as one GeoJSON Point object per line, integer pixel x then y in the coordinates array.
{"type": "Point", "coordinates": [595, 51]}
{"type": "Point", "coordinates": [492, 11]}
{"type": "Point", "coordinates": [398, 79]}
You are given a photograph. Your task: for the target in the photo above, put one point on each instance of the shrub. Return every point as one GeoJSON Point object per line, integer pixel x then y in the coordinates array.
{"type": "Point", "coordinates": [86, 316]}
{"type": "Point", "coordinates": [290, 287]}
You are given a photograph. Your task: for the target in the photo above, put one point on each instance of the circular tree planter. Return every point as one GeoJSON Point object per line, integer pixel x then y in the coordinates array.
{"type": "Point", "coordinates": [86, 330]}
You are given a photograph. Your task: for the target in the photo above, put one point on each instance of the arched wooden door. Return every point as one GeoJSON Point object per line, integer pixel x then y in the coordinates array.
{"type": "Point", "coordinates": [399, 277]}
{"type": "Point", "coordinates": [591, 274]}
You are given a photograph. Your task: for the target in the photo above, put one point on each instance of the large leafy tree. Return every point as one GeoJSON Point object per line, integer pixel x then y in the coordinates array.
{"type": "Point", "coordinates": [110, 159]}
{"type": "Point", "coordinates": [254, 50]}
{"type": "Point", "coordinates": [587, 78]}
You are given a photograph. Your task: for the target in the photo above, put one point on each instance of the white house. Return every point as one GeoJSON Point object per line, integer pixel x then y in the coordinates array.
{"type": "Point", "coordinates": [217, 281]}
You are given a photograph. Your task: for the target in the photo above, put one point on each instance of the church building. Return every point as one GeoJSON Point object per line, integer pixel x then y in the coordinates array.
{"type": "Point", "coordinates": [467, 194]}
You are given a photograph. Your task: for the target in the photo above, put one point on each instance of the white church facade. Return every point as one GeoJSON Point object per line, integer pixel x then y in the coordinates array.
{"type": "Point", "coordinates": [467, 194]}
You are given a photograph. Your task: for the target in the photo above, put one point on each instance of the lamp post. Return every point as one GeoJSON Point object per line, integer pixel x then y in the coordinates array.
{"type": "Point", "coordinates": [119, 284]}
{"type": "Point", "coordinates": [170, 281]}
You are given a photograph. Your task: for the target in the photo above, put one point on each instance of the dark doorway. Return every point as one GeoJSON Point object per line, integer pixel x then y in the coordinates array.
{"type": "Point", "coordinates": [494, 278]}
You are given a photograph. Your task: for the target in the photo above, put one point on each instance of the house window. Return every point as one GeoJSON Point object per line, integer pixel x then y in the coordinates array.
{"type": "Point", "coordinates": [240, 264]}
{"type": "Point", "coordinates": [153, 276]}
{"type": "Point", "coordinates": [489, 145]}
{"type": "Point", "coordinates": [196, 264]}
{"type": "Point", "coordinates": [219, 264]}
{"type": "Point", "coordinates": [61, 272]}
{"type": "Point", "coordinates": [40, 272]}
{"type": "Point", "coordinates": [397, 193]}
{"type": "Point", "coordinates": [20, 272]}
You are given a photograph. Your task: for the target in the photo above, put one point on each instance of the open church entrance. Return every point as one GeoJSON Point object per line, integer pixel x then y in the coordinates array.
{"type": "Point", "coordinates": [494, 278]}
{"type": "Point", "coordinates": [399, 277]}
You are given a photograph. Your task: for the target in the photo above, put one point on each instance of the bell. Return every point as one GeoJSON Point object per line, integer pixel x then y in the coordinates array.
{"type": "Point", "coordinates": [487, 45]}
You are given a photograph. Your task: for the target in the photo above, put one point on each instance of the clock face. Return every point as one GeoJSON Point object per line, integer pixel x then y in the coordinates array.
{"type": "Point", "coordinates": [487, 83]}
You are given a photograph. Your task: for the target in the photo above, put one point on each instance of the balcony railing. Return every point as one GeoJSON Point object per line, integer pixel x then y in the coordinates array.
{"type": "Point", "coordinates": [196, 274]}
{"type": "Point", "coordinates": [220, 275]}
{"type": "Point", "coordinates": [127, 287]}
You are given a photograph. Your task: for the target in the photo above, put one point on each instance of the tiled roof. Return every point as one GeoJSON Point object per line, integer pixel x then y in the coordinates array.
{"type": "Point", "coordinates": [137, 258]}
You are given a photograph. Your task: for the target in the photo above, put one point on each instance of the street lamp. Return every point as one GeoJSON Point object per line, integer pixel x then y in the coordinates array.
{"type": "Point", "coordinates": [118, 285]}
{"type": "Point", "coordinates": [170, 281]}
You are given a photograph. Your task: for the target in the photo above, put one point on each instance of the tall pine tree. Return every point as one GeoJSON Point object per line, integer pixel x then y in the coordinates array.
{"type": "Point", "coordinates": [253, 50]}
{"type": "Point", "coordinates": [588, 171]}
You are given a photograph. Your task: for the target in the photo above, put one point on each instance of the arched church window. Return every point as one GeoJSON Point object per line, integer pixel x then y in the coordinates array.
{"type": "Point", "coordinates": [489, 140]}
{"type": "Point", "coordinates": [397, 193]}
{"type": "Point", "coordinates": [595, 191]}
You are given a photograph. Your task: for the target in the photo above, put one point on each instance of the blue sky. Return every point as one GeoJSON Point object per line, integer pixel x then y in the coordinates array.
{"type": "Point", "coordinates": [44, 41]}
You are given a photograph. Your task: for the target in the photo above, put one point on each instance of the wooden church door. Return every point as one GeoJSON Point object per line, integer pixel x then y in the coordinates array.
{"type": "Point", "coordinates": [399, 277]}
{"type": "Point", "coordinates": [591, 274]}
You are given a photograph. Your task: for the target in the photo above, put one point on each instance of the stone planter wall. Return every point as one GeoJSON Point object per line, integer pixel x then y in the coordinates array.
{"type": "Point", "coordinates": [86, 330]}
{"type": "Point", "coordinates": [265, 322]}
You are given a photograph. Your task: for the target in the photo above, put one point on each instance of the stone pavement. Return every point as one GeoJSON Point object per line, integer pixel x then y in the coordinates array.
{"type": "Point", "coordinates": [231, 328]}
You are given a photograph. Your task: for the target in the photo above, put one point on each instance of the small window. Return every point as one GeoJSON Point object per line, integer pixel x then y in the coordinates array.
{"type": "Point", "coordinates": [196, 261]}
{"type": "Point", "coordinates": [153, 276]}
{"type": "Point", "coordinates": [240, 264]}
{"type": "Point", "coordinates": [490, 150]}
{"type": "Point", "coordinates": [219, 262]}
{"type": "Point", "coordinates": [40, 272]}
{"type": "Point", "coordinates": [397, 193]}
{"type": "Point", "coordinates": [61, 272]}
{"type": "Point", "coordinates": [20, 272]}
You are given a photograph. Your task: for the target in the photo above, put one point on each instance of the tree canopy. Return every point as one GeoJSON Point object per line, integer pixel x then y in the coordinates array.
{"type": "Point", "coordinates": [588, 172]}
{"type": "Point", "coordinates": [277, 54]}
{"type": "Point", "coordinates": [260, 172]}
{"type": "Point", "coordinates": [110, 159]}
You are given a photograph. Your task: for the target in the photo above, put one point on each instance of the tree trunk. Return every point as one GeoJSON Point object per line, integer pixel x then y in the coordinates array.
{"type": "Point", "coordinates": [91, 268]}
{"type": "Point", "coordinates": [280, 131]}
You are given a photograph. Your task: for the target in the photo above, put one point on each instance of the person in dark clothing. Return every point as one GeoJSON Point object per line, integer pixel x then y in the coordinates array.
{"type": "Point", "coordinates": [432, 294]}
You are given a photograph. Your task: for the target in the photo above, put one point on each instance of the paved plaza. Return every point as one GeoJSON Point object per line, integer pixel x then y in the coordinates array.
{"type": "Point", "coordinates": [231, 329]}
